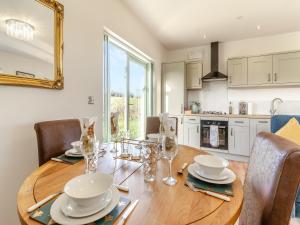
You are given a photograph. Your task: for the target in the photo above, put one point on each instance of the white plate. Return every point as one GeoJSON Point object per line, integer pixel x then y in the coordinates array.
{"type": "Point", "coordinates": [201, 173]}
{"type": "Point", "coordinates": [231, 176]}
{"type": "Point", "coordinates": [58, 216]}
{"type": "Point", "coordinates": [72, 152]}
{"type": "Point", "coordinates": [72, 210]}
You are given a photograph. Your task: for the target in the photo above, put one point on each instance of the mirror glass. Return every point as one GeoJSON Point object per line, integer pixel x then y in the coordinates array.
{"type": "Point", "coordinates": [27, 39]}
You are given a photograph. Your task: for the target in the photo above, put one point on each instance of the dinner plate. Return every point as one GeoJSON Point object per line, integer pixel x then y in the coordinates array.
{"type": "Point", "coordinates": [58, 216]}
{"type": "Point", "coordinates": [231, 175]}
{"type": "Point", "coordinates": [201, 173]}
{"type": "Point", "coordinates": [72, 152]}
{"type": "Point", "coordinates": [72, 210]}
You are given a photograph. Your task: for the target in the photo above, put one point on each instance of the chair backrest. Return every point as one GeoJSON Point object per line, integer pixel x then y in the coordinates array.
{"type": "Point", "coordinates": [55, 137]}
{"type": "Point", "coordinates": [152, 125]}
{"type": "Point", "coordinates": [271, 182]}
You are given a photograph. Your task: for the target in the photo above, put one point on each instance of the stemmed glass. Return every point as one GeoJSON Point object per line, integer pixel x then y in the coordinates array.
{"type": "Point", "coordinates": [169, 152]}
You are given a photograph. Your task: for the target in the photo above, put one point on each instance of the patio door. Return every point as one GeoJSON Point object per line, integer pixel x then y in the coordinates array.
{"type": "Point", "coordinates": [127, 90]}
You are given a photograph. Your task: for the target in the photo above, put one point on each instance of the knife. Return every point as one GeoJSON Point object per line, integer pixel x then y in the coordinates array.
{"type": "Point", "coordinates": [127, 212]}
{"type": "Point", "coordinates": [42, 202]}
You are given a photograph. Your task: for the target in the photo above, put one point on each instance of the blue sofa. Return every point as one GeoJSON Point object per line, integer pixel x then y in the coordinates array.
{"type": "Point", "coordinates": [278, 121]}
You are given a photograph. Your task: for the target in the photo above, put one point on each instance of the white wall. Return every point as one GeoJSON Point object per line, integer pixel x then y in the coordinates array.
{"type": "Point", "coordinates": [10, 63]}
{"type": "Point", "coordinates": [216, 96]}
{"type": "Point", "coordinates": [21, 107]}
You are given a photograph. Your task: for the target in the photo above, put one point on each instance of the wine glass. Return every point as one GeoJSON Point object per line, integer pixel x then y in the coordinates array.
{"type": "Point", "coordinates": [169, 152]}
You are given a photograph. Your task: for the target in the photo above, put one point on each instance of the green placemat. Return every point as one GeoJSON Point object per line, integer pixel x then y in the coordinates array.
{"type": "Point", "coordinates": [218, 188]}
{"type": "Point", "coordinates": [69, 159]}
{"type": "Point", "coordinates": [42, 214]}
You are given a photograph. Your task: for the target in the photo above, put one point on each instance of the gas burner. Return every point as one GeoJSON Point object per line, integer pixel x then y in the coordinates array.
{"type": "Point", "coordinates": [214, 112]}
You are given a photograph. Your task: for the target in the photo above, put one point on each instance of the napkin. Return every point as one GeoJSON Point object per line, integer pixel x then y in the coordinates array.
{"type": "Point", "coordinates": [69, 159]}
{"type": "Point", "coordinates": [218, 188]}
{"type": "Point", "coordinates": [42, 214]}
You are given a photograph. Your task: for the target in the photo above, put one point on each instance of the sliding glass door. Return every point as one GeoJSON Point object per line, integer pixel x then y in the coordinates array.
{"type": "Point", "coordinates": [127, 90]}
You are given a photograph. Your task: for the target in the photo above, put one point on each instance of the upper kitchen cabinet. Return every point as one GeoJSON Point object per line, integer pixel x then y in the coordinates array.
{"type": "Point", "coordinates": [260, 70]}
{"type": "Point", "coordinates": [237, 72]}
{"type": "Point", "coordinates": [286, 68]}
{"type": "Point", "coordinates": [173, 88]}
{"type": "Point", "coordinates": [193, 75]}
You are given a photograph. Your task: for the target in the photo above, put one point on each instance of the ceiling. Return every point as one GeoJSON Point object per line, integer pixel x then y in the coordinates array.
{"type": "Point", "coordinates": [184, 23]}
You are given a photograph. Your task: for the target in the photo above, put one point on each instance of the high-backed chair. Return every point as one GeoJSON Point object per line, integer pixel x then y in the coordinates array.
{"type": "Point", "coordinates": [271, 182]}
{"type": "Point", "coordinates": [55, 137]}
{"type": "Point", "coordinates": [153, 123]}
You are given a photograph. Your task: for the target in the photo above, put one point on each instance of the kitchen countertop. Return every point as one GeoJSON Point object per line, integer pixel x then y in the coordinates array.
{"type": "Point", "coordinates": [253, 116]}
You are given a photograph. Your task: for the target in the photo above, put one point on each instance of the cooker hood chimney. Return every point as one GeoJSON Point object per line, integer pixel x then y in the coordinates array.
{"type": "Point", "coordinates": [214, 74]}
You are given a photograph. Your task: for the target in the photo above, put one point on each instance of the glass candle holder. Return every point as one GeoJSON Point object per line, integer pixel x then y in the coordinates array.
{"type": "Point", "coordinates": [150, 157]}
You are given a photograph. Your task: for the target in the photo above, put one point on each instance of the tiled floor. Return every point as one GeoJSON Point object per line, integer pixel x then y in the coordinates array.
{"type": "Point", "coordinates": [240, 169]}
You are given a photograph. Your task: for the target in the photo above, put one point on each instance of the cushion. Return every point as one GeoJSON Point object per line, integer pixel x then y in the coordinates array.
{"type": "Point", "coordinates": [291, 131]}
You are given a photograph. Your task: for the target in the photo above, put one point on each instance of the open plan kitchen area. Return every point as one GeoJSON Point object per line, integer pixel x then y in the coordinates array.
{"type": "Point", "coordinates": [150, 112]}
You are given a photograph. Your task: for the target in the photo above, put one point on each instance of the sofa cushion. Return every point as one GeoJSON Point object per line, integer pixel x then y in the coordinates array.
{"type": "Point", "coordinates": [291, 131]}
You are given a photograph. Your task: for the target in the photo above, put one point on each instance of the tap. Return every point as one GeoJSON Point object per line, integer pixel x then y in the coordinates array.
{"type": "Point", "coordinates": [273, 109]}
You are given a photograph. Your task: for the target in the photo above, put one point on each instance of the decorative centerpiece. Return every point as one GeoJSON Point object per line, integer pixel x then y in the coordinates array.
{"type": "Point", "coordinates": [114, 130]}
{"type": "Point", "coordinates": [150, 158]}
{"type": "Point", "coordinates": [89, 144]}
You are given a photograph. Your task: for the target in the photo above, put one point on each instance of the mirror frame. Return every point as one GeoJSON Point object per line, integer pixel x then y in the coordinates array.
{"type": "Point", "coordinates": [58, 82]}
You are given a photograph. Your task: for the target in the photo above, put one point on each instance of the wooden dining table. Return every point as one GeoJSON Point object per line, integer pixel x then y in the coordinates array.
{"type": "Point", "coordinates": [159, 204]}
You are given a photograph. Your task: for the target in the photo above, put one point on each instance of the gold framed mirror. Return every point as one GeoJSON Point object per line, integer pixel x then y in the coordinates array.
{"type": "Point", "coordinates": [31, 43]}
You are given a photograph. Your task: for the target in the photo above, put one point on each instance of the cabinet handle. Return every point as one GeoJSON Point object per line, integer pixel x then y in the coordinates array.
{"type": "Point", "coordinates": [269, 77]}
{"type": "Point", "coordinates": [231, 131]}
{"type": "Point", "coordinates": [199, 81]}
{"type": "Point", "coordinates": [263, 122]}
{"type": "Point", "coordinates": [239, 121]}
{"type": "Point", "coordinates": [181, 108]}
{"type": "Point", "coordinates": [197, 129]}
{"type": "Point", "coordinates": [275, 77]}
{"type": "Point", "coordinates": [181, 121]}
{"type": "Point", "coordinates": [192, 119]}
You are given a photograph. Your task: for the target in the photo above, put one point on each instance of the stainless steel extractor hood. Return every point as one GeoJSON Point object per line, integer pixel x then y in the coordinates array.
{"type": "Point", "coordinates": [214, 74]}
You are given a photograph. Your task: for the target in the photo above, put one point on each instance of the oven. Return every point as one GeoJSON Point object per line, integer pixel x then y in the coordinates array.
{"type": "Point", "coordinates": [222, 124]}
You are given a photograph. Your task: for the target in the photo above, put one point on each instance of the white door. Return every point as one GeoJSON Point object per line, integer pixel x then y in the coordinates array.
{"type": "Point", "coordinates": [256, 126]}
{"type": "Point", "coordinates": [286, 68]}
{"type": "Point", "coordinates": [173, 87]}
{"type": "Point", "coordinates": [180, 130]}
{"type": "Point", "coordinates": [260, 70]}
{"type": "Point", "coordinates": [193, 75]}
{"type": "Point", "coordinates": [192, 135]}
{"type": "Point", "coordinates": [237, 72]}
{"type": "Point", "coordinates": [239, 140]}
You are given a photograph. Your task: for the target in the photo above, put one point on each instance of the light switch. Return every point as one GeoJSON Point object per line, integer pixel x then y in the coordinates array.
{"type": "Point", "coordinates": [91, 100]}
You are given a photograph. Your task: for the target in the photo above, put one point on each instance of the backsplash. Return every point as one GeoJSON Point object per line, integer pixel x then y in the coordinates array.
{"type": "Point", "coordinates": [216, 96]}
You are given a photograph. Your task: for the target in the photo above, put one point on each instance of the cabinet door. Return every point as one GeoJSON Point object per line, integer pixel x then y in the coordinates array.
{"type": "Point", "coordinates": [173, 87]}
{"type": "Point", "coordinates": [192, 135]}
{"type": "Point", "coordinates": [194, 75]}
{"type": "Point", "coordinates": [239, 140]}
{"type": "Point", "coordinates": [260, 70]}
{"type": "Point", "coordinates": [256, 126]}
{"type": "Point", "coordinates": [237, 72]}
{"type": "Point", "coordinates": [286, 68]}
{"type": "Point", "coordinates": [180, 130]}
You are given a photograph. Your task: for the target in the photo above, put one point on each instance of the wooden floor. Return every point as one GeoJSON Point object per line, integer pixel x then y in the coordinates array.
{"type": "Point", "coordinates": [241, 169]}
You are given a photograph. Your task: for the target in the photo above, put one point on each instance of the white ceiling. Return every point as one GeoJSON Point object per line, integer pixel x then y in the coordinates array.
{"type": "Point", "coordinates": [183, 23]}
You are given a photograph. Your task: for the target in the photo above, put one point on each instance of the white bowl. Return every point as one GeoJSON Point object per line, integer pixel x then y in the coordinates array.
{"type": "Point", "coordinates": [88, 189]}
{"type": "Point", "coordinates": [77, 146]}
{"type": "Point", "coordinates": [211, 165]}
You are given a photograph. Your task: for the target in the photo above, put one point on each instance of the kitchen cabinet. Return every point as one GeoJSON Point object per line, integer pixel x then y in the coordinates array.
{"type": "Point", "coordinates": [237, 72]}
{"type": "Point", "coordinates": [260, 70]}
{"type": "Point", "coordinates": [238, 137]}
{"type": "Point", "coordinates": [256, 126]}
{"type": "Point", "coordinates": [193, 75]}
{"type": "Point", "coordinates": [192, 131]}
{"type": "Point", "coordinates": [173, 87]}
{"type": "Point", "coordinates": [180, 130]}
{"type": "Point", "coordinates": [286, 68]}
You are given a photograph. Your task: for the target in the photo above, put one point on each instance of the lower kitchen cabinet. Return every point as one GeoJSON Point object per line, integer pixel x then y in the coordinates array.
{"type": "Point", "coordinates": [256, 126]}
{"type": "Point", "coordinates": [191, 134]}
{"type": "Point", "coordinates": [238, 137]}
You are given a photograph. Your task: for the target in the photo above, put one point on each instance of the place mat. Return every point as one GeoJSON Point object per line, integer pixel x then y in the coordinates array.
{"type": "Point", "coordinates": [42, 214]}
{"type": "Point", "coordinates": [218, 188]}
{"type": "Point", "coordinates": [69, 159]}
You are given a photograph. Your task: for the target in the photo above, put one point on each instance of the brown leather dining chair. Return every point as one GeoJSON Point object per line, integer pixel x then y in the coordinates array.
{"type": "Point", "coordinates": [54, 137]}
{"type": "Point", "coordinates": [153, 123]}
{"type": "Point", "coordinates": [272, 181]}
